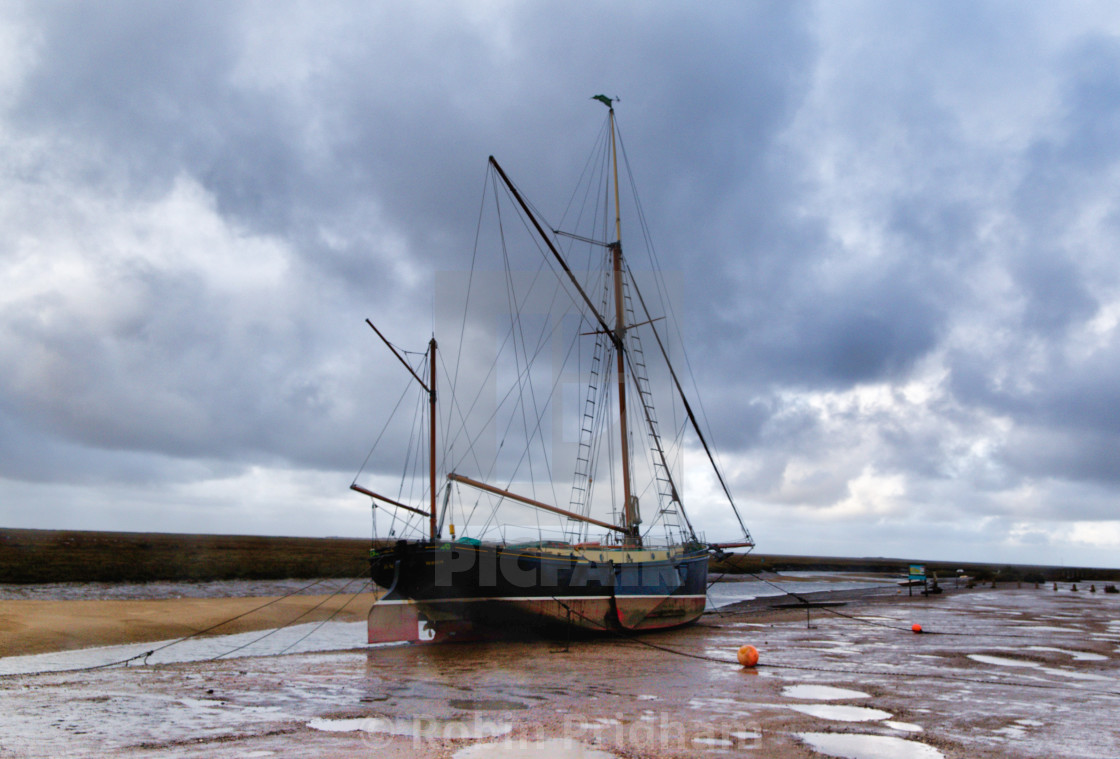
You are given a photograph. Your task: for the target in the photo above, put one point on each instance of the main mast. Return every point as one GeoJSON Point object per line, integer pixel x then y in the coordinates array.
{"type": "Point", "coordinates": [432, 440]}
{"type": "Point", "coordinates": [629, 504]}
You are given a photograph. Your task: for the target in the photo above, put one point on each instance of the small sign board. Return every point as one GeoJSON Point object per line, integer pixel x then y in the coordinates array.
{"type": "Point", "coordinates": [917, 572]}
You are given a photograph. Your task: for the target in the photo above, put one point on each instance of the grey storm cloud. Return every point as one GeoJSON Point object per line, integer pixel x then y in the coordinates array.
{"type": "Point", "coordinates": [892, 229]}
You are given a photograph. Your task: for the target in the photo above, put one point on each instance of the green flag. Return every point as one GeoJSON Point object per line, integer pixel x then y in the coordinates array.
{"type": "Point", "coordinates": [602, 99]}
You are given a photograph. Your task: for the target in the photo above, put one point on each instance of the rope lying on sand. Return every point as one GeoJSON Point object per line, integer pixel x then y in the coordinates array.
{"type": "Point", "coordinates": [144, 656]}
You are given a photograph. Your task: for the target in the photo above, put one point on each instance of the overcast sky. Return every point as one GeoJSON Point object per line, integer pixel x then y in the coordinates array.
{"type": "Point", "coordinates": [896, 226]}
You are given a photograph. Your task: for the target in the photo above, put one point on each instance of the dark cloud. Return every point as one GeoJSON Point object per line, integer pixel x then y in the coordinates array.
{"type": "Point", "coordinates": [888, 234]}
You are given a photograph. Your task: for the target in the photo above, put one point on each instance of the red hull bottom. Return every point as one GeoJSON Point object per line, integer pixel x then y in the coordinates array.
{"type": "Point", "coordinates": [406, 621]}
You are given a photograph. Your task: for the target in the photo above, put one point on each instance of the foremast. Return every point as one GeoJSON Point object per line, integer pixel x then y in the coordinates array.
{"type": "Point", "coordinates": [430, 389]}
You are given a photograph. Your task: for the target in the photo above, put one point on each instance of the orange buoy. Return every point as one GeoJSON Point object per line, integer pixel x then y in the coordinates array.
{"type": "Point", "coordinates": [916, 627]}
{"type": "Point", "coordinates": [748, 656]}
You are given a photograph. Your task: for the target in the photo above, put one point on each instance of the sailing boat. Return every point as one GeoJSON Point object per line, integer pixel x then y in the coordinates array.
{"type": "Point", "coordinates": [440, 585]}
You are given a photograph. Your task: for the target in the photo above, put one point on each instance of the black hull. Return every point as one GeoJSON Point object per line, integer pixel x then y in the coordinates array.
{"type": "Point", "coordinates": [491, 587]}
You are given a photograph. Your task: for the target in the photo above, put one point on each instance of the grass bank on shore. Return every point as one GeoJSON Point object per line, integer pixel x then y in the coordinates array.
{"type": "Point", "coordinates": [40, 556]}
{"type": "Point", "coordinates": [43, 556]}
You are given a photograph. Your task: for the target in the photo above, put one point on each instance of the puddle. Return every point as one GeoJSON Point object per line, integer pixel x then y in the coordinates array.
{"type": "Point", "coordinates": [1077, 655]}
{"type": "Point", "coordinates": [821, 693]}
{"type": "Point", "coordinates": [906, 727]}
{"type": "Point", "coordinates": [841, 713]}
{"type": "Point", "coordinates": [710, 703]}
{"type": "Point", "coordinates": [859, 746]}
{"type": "Point", "coordinates": [419, 727]}
{"type": "Point", "coordinates": [715, 742]}
{"type": "Point", "coordinates": [558, 748]}
{"type": "Point", "coordinates": [838, 651]}
{"type": "Point", "coordinates": [1076, 675]}
{"type": "Point", "coordinates": [1001, 661]}
{"type": "Point", "coordinates": [485, 705]}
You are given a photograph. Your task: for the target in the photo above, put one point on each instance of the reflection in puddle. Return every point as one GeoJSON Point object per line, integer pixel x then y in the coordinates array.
{"type": "Point", "coordinates": [841, 713]}
{"type": "Point", "coordinates": [420, 727]}
{"type": "Point", "coordinates": [558, 748]}
{"type": "Point", "coordinates": [485, 704]}
{"type": "Point", "coordinates": [1001, 661]}
{"type": "Point", "coordinates": [906, 727]}
{"type": "Point", "coordinates": [821, 692]}
{"type": "Point", "coordinates": [1076, 675]}
{"type": "Point", "coordinates": [857, 746]}
{"type": "Point", "coordinates": [1077, 655]}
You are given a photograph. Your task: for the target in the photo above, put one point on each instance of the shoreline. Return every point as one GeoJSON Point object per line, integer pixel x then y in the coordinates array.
{"type": "Point", "coordinates": [37, 626]}
{"type": "Point", "coordinates": [63, 622]}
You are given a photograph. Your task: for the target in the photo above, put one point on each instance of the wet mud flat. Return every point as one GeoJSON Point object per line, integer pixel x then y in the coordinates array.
{"type": "Point", "coordinates": [996, 673]}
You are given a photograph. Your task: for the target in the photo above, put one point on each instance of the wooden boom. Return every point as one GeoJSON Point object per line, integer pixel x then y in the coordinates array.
{"type": "Point", "coordinates": [514, 497]}
{"type": "Point", "coordinates": [389, 501]}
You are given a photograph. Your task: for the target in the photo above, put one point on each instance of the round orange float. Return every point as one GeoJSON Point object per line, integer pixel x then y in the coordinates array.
{"type": "Point", "coordinates": [748, 656]}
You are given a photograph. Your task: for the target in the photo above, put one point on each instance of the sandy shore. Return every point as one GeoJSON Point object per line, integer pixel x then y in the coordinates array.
{"type": "Point", "coordinates": [34, 627]}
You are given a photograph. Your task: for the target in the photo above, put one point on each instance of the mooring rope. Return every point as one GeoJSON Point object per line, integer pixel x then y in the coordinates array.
{"type": "Point", "coordinates": [291, 622]}
{"type": "Point", "coordinates": [146, 654]}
